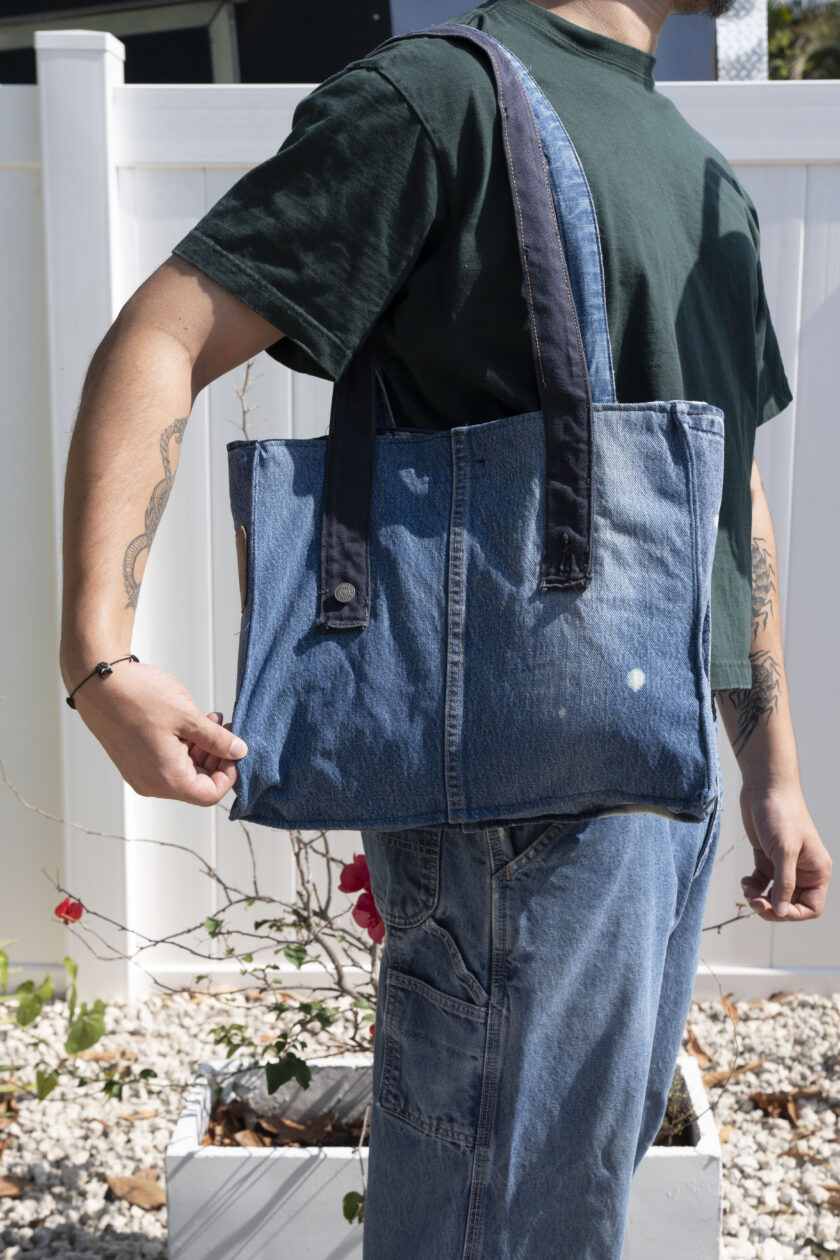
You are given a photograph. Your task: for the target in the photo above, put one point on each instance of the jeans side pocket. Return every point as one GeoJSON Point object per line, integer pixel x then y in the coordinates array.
{"type": "Point", "coordinates": [433, 1061]}
{"type": "Point", "coordinates": [404, 872]}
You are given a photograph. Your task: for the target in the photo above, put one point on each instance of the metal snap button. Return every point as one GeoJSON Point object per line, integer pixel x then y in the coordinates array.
{"type": "Point", "coordinates": [344, 592]}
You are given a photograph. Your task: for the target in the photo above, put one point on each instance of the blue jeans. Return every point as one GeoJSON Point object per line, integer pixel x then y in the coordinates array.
{"type": "Point", "coordinates": [534, 988]}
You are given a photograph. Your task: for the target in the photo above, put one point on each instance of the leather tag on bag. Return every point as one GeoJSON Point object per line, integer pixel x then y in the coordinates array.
{"type": "Point", "coordinates": [242, 564]}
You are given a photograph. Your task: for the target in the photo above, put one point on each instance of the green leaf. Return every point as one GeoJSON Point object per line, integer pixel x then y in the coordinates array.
{"type": "Point", "coordinates": [212, 925]}
{"type": "Point", "coordinates": [28, 1009]}
{"type": "Point", "coordinates": [276, 1074]}
{"type": "Point", "coordinates": [353, 1206]}
{"type": "Point", "coordinates": [362, 1003]}
{"type": "Point", "coordinates": [247, 958]}
{"type": "Point", "coordinates": [45, 989]}
{"type": "Point", "coordinates": [146, 1074]}
{"type": "Point", "coordinates": [45, 1083]}
{"type": "Point", "coordinates": [296, 954]}
{"type": "Point", "coordinates": [86, 1028]}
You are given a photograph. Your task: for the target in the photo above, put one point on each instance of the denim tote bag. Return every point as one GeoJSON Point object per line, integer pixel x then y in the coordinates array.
{"type": "Point", "coordinates": [500, 621]}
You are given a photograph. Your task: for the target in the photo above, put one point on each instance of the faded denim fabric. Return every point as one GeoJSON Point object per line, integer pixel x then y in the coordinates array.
{"type": "Point", "coordinates": [534, 988]}
{"type": "Point", "coordinates": [471, 695]}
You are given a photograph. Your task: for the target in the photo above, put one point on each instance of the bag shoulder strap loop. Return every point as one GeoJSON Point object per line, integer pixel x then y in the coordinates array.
{"type": "Point", "coordinates": [559, 363]}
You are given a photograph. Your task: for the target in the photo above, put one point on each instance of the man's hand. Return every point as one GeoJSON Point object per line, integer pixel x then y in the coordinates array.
{"type": "Point", "coordinates": [788, 851]}
{"type": "Point", "coordinates": [157, 737]}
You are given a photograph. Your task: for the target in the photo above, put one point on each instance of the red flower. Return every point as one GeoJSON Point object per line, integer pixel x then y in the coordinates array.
{"type": "Point", "coordinates": [355, 875]}
{"type": "Point", "coordinates": [372, 1029]}
{"type": "Point", "coordinates": [367, 916]}
{"type": "Point", "coordinates": [69, 911]}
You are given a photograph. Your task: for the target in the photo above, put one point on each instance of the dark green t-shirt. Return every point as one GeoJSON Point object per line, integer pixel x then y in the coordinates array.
{"type": "Point", "coordinates": [388, 210]}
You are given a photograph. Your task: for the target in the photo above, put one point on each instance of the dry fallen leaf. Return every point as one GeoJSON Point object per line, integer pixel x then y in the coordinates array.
{"type": "Point", "coordinates": [146, 1113]}
{"type": "Point", "coordinates": [724, 1131]}
{"type": "Point", "coordinates": [105, 1056]}
{"type": "Point", "coordinates": [309, 1133]}
{"type": "Point", "coordinates": [12, 1187]}
{"type": "Point", "coordinates": [695, 1049]}
{"type": "Point", "coordinates": [717, 1078]}
{"type": "Point", "coordinates": [798, 1153]}
{"type": "Point", "coordinates": [247, 1137]}
{"type": "Point", "coordinates": [150, 1174]}
{"type": "Point", "coordinates": [140, 1191]}
{"type": "Point", "coordinates": [730, 1007]}
{"type": "Point", "coordinates": [780, 1105]}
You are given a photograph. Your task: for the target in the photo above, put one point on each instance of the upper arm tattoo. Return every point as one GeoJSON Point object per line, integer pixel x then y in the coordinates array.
{"type": "Point", "coordinates": [154, 511]}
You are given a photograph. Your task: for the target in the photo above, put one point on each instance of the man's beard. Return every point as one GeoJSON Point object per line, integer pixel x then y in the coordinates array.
{"type": "Point", "coordinates": [712, 8]}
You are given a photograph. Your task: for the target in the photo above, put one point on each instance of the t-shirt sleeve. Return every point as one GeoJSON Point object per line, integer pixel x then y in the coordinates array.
{"type": "Point", "coordinates": [319, 238]}
{"type": "Point", "coordinates": [774, 392]}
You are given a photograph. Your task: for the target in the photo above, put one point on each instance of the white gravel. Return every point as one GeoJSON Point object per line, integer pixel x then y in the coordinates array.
{"type": "Point", "coordinates": [773, 1202]}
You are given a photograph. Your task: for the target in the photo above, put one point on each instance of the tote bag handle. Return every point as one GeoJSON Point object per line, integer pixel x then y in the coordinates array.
{"type": "Point", "coordinates": [562, 382]}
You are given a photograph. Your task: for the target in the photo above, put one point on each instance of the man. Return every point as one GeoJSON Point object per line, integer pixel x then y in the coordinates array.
{"type": "Point", "coordinates": [387, 212]}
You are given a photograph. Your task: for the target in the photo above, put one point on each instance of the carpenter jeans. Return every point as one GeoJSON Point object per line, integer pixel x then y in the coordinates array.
{"type": "Point", "coordinates": [534, 989]}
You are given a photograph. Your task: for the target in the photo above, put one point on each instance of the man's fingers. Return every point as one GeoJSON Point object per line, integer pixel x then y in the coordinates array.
{"type": "Point", "coordinates": [200, 785]}
{"type": "Point", "coordinates": [208, 789]}
{"type": "Point", "coordinates": [212, 737]}
{"type": "Point", "coordinates": [784, 881]}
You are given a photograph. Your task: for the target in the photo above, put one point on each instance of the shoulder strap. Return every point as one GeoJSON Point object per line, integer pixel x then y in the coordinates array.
{"type": "Point", "coordinates": [559, 364]}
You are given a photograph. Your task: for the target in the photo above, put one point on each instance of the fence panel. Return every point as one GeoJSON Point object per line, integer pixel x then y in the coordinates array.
{"type": "Point", "coordinates": [124, 172]}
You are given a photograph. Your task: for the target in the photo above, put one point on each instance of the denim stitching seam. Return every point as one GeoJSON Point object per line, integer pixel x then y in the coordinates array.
{"type": "Point", "coordinates": [699, 613]}
{"type": "Point", "coordinates": [454, 664]}
{"type": "Point", "coordinates": [490, 1075]}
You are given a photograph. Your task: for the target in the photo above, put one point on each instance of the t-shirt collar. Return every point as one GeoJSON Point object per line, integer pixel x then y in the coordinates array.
{"type": "Point", "coordinates": [591, 43]}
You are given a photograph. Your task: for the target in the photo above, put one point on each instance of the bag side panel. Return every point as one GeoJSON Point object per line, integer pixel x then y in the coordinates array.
{"type": "Point", "coordinates": [574, 701]}
{"type": "Point", "coordinates": [344, 728]}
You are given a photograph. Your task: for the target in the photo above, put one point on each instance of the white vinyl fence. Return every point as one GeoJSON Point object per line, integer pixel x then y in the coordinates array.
{"type": "Point", "coordinates": [97, 181]}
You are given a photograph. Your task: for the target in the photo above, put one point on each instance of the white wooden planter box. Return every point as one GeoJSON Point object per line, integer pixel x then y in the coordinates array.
{"type": "Point", "coordinates": [284, 1203]}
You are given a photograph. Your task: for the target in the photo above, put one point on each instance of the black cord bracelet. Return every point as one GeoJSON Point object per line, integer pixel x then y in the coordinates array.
{"type": "Point", "coordinates": [103, 668]}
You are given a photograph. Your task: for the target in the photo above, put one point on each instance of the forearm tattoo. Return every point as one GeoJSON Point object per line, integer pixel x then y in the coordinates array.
{"type": "Point", "coordinates": [763, 586]}
{"type": "Point", "coordinates": [154, 511]}
{"type": "Point", "coordinates": [762, 700]}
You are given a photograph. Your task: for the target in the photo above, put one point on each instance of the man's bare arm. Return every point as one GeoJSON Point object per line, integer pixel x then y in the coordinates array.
{"type": "Point", "coordinates": [786, 846]}
{"type": "Point", "coordinates": [178, 332]}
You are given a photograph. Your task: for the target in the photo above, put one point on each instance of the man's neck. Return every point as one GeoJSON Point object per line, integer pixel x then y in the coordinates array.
{"type": "Point", "coordinates": [634, 22]}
